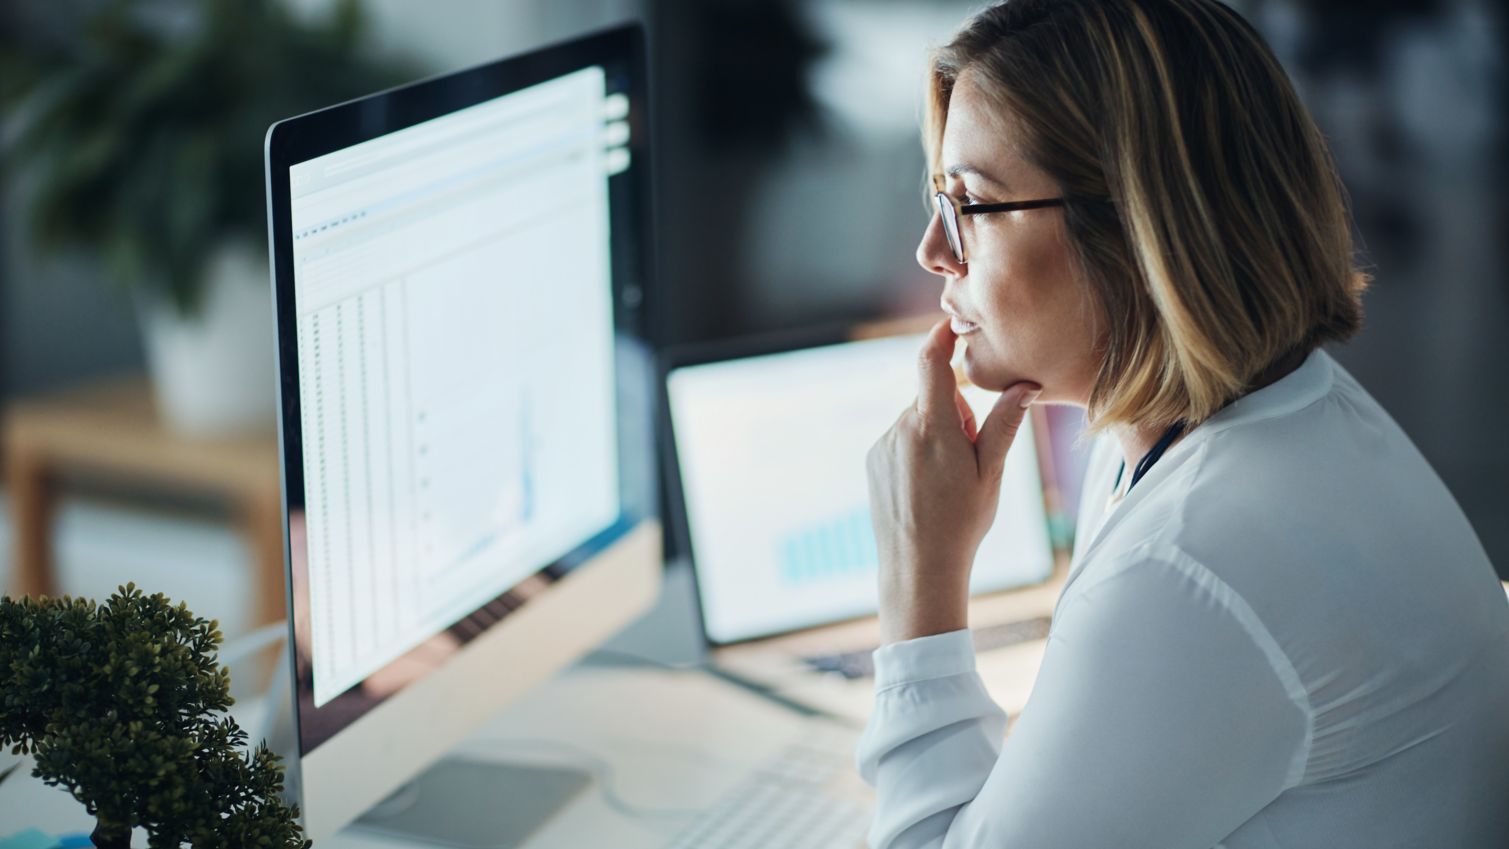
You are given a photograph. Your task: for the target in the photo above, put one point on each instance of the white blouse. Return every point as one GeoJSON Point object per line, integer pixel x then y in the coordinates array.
{"type": "Point", "coordinates": [1286, 635]}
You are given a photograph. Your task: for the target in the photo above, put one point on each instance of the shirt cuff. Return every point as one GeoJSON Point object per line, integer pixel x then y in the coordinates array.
{"type": "Point", "coordinates": [923, 658]}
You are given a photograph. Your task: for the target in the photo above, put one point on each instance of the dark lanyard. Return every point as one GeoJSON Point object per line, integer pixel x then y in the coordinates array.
{"type": "Point", "coordinates": [1150, 457]}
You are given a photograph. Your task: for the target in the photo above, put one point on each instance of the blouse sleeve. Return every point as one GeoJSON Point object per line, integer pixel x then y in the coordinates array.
{"type": "Point", "coordinates": [1164, 715]}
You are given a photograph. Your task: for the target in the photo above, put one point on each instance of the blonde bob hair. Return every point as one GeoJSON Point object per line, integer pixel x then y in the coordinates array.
{"type": "Point", "coordinates": [1204, 209]}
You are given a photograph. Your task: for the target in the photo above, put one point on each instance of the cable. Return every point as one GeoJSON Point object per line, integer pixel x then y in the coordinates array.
{"type": "Point", "coordinates": [769, 691]}
{"type": "Point", "coordinates": [615, 657]}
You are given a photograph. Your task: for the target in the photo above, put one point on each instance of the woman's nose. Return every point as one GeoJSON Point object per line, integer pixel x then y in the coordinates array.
{"type": "Point", "coordinates": [933, 252]}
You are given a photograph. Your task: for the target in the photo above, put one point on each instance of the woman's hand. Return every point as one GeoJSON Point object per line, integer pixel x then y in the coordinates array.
{"type": "Point", "coordinates": [935, 481]}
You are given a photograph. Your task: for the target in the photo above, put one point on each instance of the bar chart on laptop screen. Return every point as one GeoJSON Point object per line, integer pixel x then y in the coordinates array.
{"type": "Point", "coordinates": [771, 451]}
{"type": "Point", "coordinates": [833, 546]}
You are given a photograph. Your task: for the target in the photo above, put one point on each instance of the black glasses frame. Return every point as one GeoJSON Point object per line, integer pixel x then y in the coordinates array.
{"type": "Point", "coordinates": [950, 209]}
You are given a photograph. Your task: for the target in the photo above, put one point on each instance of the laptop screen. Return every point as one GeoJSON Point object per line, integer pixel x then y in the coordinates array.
{"type": "Point", "coordinates": [771, 454]}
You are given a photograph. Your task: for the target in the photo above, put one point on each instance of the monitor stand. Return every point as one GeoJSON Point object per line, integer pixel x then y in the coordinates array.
{"type": "Point", "coordinates": [476, 805]}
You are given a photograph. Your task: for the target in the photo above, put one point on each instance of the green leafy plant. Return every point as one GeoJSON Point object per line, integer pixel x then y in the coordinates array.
{"type": "Point", "coordinates": [123, 705]}
{"type": "Point", "coordinates": [141, 124]}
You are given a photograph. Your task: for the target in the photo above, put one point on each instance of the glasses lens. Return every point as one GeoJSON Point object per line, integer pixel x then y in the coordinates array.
{"type": "Point", "coordinates": [950, 218]}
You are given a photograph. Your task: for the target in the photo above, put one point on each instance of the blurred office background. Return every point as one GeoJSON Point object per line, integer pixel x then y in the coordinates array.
{"type": "Point", "coordinates": [788, 195]}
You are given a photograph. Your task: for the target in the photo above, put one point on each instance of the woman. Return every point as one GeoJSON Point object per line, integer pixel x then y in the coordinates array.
{"type": "Point", "coordinates": [1279, 629]}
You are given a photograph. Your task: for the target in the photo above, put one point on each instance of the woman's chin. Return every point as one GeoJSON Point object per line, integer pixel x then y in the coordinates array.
{"type": "Point", "coordinates": [990, 376]}
{"type": "Point", "coordinates": [980, 372]}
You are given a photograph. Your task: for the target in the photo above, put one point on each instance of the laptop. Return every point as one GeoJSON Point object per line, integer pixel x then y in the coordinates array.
{"type": "Point", "coordinates": [768, 500]}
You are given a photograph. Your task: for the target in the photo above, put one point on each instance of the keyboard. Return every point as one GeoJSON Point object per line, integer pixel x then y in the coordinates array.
{"type": "Point", "coordinates": [860, 663]}
{"type": "Point", "coordinates": [806, 796]}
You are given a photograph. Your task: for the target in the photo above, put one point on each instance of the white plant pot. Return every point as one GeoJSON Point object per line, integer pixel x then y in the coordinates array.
{"type": "Point", "coordinates": [213, 372]}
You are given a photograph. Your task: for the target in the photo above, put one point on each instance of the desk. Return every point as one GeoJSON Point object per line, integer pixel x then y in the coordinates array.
{"type": "Point", "coordinates": [674, 740]}
{"type": "Point", "coordinates": [110, 432]}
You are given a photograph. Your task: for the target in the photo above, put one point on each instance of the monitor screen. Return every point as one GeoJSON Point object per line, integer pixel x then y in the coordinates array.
{"type": "Point", "coordinates": [771, 450]}
{"type": "Point", "coordinates": [456, 377]}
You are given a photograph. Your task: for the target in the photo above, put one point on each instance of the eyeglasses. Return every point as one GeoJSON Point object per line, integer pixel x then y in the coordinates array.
{"type": "Point", "coordinates": [950, 209]}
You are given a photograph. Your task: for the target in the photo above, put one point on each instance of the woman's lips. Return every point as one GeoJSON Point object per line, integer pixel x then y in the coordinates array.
{"type": "Point", "coordinates": [960, 326]}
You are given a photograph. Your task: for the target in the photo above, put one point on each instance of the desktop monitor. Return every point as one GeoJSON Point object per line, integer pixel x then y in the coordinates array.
{"type": "Point", "coordinates": [459, 269]}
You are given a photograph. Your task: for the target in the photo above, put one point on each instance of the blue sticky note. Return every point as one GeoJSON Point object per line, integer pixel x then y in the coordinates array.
{"type": "Point", "coordinates": [29, 839]}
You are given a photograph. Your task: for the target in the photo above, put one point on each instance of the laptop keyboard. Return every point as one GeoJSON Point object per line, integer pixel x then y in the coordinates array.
{"type": "Point", "coordinates": [860, 663]}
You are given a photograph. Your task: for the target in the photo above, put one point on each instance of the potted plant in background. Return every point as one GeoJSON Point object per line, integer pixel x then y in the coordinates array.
{"type": "Point", "coordinates": [123, 705]}
{"type": "Point", "coordinates": [138, 131]}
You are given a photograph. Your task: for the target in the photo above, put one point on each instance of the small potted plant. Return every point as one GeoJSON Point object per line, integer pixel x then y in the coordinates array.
{"type": "Point", "coordinates": [123, 705]}
{"type": "Point", "coordinates": [136, 133]}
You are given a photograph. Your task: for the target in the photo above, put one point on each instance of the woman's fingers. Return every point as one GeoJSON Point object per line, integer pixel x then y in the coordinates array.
{"type": "Point", "coordinates": [966, 415]}
{"type": "Point", "coordinates": [935, 375]}
{"type": "Point", "coordinates": [1000, 427]}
